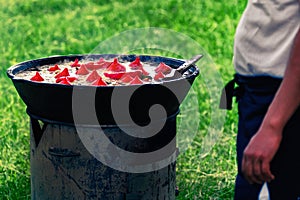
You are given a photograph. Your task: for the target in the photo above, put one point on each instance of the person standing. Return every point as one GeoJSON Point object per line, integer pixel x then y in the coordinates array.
{"type": "Point", "coordinates": [267, 65]}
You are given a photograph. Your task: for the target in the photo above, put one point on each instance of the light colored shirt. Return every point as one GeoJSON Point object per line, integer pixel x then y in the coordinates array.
{"type": "Point", "coordinates": [264, 37]}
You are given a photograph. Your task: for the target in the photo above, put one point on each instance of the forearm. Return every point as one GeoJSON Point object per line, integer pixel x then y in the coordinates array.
{"type": "Point", "coordinates": [287, 99]}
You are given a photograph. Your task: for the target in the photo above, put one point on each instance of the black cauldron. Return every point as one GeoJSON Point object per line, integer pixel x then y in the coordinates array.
{"type": "Point", "coordinates": [55, 102]}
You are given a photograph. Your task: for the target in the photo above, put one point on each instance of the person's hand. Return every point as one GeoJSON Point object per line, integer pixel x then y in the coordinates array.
{"type": "Point", "coordinates": [258, 155]}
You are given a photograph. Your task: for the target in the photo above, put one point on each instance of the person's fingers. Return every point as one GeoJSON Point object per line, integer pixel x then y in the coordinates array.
{"type": "Point", "coordinates": [257, 175]}
{"type": "Point", "coordinates": [265, 168]}
{"type": "Point", "coordinates": [247, 169]}
{"type": "Point", "coordinates": [252, 170]}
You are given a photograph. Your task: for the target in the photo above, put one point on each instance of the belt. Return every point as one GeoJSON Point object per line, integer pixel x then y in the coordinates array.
{"type": "Point", "coordinates": [262, 84]}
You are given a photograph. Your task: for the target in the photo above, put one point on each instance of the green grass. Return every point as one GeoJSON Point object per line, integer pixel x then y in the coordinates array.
{"type": "Point", "coordinates": [32, 29]}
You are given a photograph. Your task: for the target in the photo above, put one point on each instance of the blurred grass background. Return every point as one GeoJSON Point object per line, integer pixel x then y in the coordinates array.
{"type": "Point", "coordinates": [32, 29]}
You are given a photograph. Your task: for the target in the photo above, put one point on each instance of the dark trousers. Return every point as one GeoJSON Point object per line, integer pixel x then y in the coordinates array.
{"type": "Point", "coordinates": [254, 97]}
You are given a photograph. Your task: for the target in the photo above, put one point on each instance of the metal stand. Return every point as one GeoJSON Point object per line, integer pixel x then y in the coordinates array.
{"type": "Point", "coordinates": [62, 168]}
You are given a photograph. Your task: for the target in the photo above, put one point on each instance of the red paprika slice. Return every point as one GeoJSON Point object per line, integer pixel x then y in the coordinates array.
{"type": "Point", "coordinates": [68, 78]}
{"type": "Point", "coordinates": [115, 76]}
{"type": "Point", "coordinates": [82, 70]}
{"type": "Point", "coordinates": [105, 65]}
{"type": "Point", "coordinates": [136, 81]}
{"type": "Point", "coordinates": [54, 68]}
{"type": "Point", "coordinates": [162, 67]}
{"type": "Point", "coordinates": [159, 76]}
{"type": "Point", "coordinates": [101, 61]}
{"type": "Point", "coordinates": [99, 82]}
{"type": "Point", "coordinates": [94, 66]}
{"type": "Point", "coordinates": [144, 71]}
{"type": "Point", "coordinates": [65, 82]}
{"type": "Point", "coordinates": [75, 63]}
{"type": "Point", "coordinates": [138, 73]}
{"type": "Point", "coordinates": [64, 72]}
{"type": "Point", "coordinates": [119, 75]}
{"type": "Point", "coordinates": [37, 77]}
{"type": "Point", "coordinates": [93, 76]}
{"type": "Point", "coordinates": [126, 79]}
{"type": "Point", "coordinates": [71, 78]}
{"type": "Point", "coordinates": [136, 64]}
{"type": "Point", "coordinates": [60, 79]}
{"type": "Point", "coordinates": [115, 66]}
{"type": "Point", "coordinates": [88, 65]}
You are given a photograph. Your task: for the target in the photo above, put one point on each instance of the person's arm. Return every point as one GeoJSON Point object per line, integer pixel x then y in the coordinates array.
{"type": "Point", "coordinates": [265, 143]}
